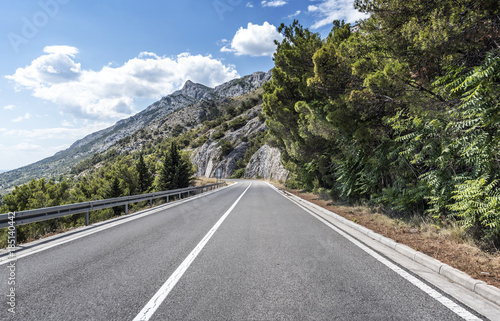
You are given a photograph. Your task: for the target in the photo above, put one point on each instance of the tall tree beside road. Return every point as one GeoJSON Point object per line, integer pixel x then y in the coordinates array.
{"type": "Point", "coordinates": [145, 177]}
{"type": "Point", "coordinates": [176, 170]}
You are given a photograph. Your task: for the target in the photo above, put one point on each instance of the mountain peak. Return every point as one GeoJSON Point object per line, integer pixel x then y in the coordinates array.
{"type": "Point", "coordinates": [197, 91]}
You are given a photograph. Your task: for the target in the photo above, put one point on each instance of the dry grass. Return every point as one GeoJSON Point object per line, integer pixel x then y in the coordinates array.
{"type": "Point", "coordinates": [200, 181]}
{"type": "Point", "coordinates": [449, 244]}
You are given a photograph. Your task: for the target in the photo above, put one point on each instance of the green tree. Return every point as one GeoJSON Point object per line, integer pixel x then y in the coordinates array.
{"type": "Point", "coordinates": [175, 171]}
{"type": "Point", "coordinates": [114, 189]}
{"type": "Point", "coordinates": [145, 177]}
{"type": "Point", "coordinates": [286, 119]}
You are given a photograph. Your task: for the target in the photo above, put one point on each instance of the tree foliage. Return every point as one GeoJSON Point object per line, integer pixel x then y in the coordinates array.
{"type": "Point", "coordinates": [145, 179]}
{"type": "Point", "coordinates": [176, 170]}
{"type": "Point", "coordinates": [400, 109]}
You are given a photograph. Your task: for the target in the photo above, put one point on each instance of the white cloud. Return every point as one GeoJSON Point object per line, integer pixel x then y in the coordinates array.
{"type": "Point", "coordinates": [21, 118]}
{"type": "Point", "coordinates": [26, 147]}
{"type": "Point", "coordinates": [32, 148]}
{"type": "Point", "coordinates": [274, 3]}
{"type": "Point", "coordinates": [66, 123]}
{"type": "Point", "coordinates": [249, 5]}
{"type": "Point", "coordinates": [9, 107]}
{"type": "Point", "coordinates": [109, 93]}
{"type": "Point", "coordinates": [329, 10]}
{"type": "Point", "coordinates": [255, 40]}
{"type": "Point", "coordinates": [64, 50]}
{"type": "Point", "coordinates": [298, 12]}
{"type": "Point", "coordinates": [56, 133]}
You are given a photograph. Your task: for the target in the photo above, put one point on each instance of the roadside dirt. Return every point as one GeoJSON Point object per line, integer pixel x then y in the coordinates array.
{"type": "Point", "coordinates": [440, 243]}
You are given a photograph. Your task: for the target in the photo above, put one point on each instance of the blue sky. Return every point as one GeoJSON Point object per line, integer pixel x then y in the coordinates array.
{"type": "Point", "coordinates": [71, 67]}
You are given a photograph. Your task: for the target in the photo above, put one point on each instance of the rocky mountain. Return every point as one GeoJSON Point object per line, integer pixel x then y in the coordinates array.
{"type": "Point", "coordinates": [165, 114]}
{"type": "Point", "coordinates": [264, 163]}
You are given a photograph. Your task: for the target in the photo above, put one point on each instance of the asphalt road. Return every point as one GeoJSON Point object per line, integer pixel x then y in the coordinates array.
{"type": "Point", "coordinates": [267, 260]}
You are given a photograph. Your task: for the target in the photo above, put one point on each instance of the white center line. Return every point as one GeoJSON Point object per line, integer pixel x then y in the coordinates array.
{"type": "Point", "coordinates": [155, 302]}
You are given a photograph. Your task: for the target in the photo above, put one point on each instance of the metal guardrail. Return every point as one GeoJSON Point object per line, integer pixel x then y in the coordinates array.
{"type": "Point", "coordinates": [43, 214]}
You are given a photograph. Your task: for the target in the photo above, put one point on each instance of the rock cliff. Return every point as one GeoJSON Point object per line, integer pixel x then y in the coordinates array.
{"type": "Point", "coordinates": [266, 163]}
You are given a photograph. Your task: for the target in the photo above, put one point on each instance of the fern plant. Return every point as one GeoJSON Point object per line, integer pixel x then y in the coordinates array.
{"type": "Point", "coordinates": [477, 203]}
{"type": "Point", "coordinates": [477, 120]}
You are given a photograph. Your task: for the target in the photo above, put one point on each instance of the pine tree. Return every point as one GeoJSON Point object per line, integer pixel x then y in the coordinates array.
{"type": "Point", "coordinates": [166, 172]}
{"type": "Point", "coordinates": [145, 178]}
{"type": "Point", "coordinates": [176, 170]}
{"type": "Point", "coordinates": [114, 188]}
{"type": "Point", "coordinates": [184, 172]}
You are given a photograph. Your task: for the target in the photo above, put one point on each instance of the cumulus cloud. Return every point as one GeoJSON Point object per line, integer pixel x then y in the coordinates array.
{"type": "Point", "coordinates": [109, 93]}
{"type": "Point", "coordinates": [9, 107]}
{"type": "Point", "coordinates": [30, 153]}
{"type": "Point", "coordinates": [21, 118]}
{"type": "Point", "coordinates": [329, 10]}
{"type": "Point", "coordinates": [274, 3]}
{"type": "Point", "coordinates": [27, 147]}
{"type": "Point", "coordinates": [255, 40]}
{"type": "Point", "coordinates": [55, 133]}
{"type": "Point", "coordinates": [293, 15]}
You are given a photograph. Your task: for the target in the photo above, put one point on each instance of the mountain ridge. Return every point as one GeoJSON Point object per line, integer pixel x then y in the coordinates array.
{"type": "Point", "coordinates": [61, 162]}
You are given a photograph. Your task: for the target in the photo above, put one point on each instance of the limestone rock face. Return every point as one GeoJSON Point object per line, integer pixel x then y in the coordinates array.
{"type": "Point", "coordinates": [243, 85]}
{"type": "Point", "coordinates": [208, 157]}
{"type": "Point", "coordinates": [266, 163]}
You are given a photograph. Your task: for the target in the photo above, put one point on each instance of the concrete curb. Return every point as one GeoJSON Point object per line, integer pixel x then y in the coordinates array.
{"type": "Point", "coordinates": [488, 292]}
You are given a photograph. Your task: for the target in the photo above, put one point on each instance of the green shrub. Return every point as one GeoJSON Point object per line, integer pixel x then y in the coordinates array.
{"type": "Point", "coordinates": [237, 123]}
{"type": "Point", "coordinates": [239, 173]}
{"type": "Point", "coordinates": [226, 147]}
{"type": "Point", "coordinates": [218, 134]}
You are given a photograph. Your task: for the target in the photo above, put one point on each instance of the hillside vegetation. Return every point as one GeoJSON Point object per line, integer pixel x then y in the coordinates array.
{"type": "Point", "coordinates": [400, 110]}
{"type": "Point", "coordinates": [157, 113]}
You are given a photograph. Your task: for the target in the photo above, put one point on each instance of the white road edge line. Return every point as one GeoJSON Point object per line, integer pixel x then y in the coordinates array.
{"type": "Point", "coordinates": [111, 224]}
{"type": "Point", "coordinates": [155, 302]}
{"type": "Point", "coordinates": [461, 312]}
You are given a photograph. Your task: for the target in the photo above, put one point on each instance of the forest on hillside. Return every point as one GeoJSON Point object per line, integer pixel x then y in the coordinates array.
{"type": "Point", "coordinates": [400, 110]}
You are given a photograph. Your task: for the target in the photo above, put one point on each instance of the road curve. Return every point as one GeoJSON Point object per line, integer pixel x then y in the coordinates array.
{"type": "Point", "coordinates": [260, 257]}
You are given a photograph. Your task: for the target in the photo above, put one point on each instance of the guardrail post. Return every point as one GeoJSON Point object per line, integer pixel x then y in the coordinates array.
{"type": "Point", "coordinates": [180, 195]}
{"type": "Point", "coordinates": [87, 218]}
{"type": "Point", "coordinates": [150, 202]}
{"type": "Point", "coordinates": [167, 198]}
{"type": "Point", "coordinates": [126, 209]}
{"type": "Point", "coordinates": [189, 193]}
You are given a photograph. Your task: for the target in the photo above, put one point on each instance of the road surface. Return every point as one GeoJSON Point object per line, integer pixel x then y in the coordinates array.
{"type": "Point", "coordinates": [241, 253]}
